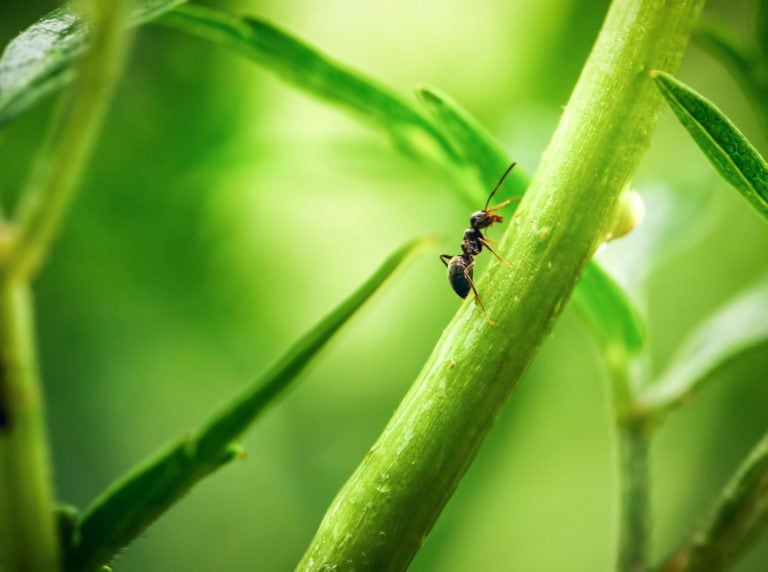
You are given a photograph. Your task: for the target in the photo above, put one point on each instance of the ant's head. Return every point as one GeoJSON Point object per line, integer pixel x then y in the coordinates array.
{"type": "Point", "coordinates": [483, 219]}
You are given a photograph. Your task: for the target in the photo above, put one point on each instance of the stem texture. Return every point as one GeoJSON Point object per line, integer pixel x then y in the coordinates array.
{"type": "Point", "coordinates": [381, 516]}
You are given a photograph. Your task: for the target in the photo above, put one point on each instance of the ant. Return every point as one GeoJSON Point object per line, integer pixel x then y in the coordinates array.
{"type": "Point", "coordinates": [460, 267]}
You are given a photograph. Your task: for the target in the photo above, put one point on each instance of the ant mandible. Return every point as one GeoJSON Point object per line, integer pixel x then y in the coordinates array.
{"type": "Point", "coordinates": [460, 266]}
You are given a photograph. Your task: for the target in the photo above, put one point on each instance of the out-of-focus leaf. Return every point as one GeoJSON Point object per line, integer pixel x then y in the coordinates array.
{"type": "Point", "coordinates": [761, 26]}
{"type": "Point", "coordinates": [742, 59]}
{"type": "Point", "coordinates": [608, 312]}
{"type": "Point", "coordinates": [478, 149]}
{"type": "Point", "coordinates": [738, 519]}
{"type": "Point", "coordinates": [737, 161]}
{"type": "Point", "coordinates": [735, 331]}
{"type": "Point", "coordinates": [607, 309]}
{"type": "Point", "coordinates": [41, 59]}
{"type": "Point", "coordinates": [129, 506]}
{"type": "Point", "coordinates": [306, 68]}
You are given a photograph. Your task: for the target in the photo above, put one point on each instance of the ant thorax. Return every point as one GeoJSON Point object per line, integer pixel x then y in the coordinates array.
{"type": "Point", "coordinates": [473, 242]}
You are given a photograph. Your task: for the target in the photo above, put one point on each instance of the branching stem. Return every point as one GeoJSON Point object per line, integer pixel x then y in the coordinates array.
{"type": "Point", "coordinates": [383, 513]}
{"type": "Point", "coordinates": [28, 535]}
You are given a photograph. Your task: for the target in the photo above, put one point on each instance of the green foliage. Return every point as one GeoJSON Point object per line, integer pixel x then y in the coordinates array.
{"type": "Point", "coordinates": [309, 70]}
{"type": "Point", "coordinates": [747, 65]}
{"type": "Point", "coordinates": [761, 26]}
{"type": "Point", "coordinates": [738, 518]}
{"type": "Point", "coordinates": [744, 56]}
{"type": "Point", "coordinates": [734, 157]}
{"type": "Point", "coordinates": [134, 502]}
{"type": "Point", "coordinates": [728, 337]}
{"type": "Point", "coordinates": [615, 322]}
{"type": "Point", "coordinates": [478, 150]}
{"type": "Point", "coordinates": [41, 60]}
{"type": "Point", "coordinates": [474, 367]}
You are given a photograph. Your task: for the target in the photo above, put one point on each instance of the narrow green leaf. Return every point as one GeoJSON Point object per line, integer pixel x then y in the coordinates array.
{"type": "Point", "coordinates": [130, 505]}
{"type": "Point", "coordinates": [737, 161]}
{"type": "Point", "coordinates": [738, 519]}
{"type": "Point", "coordinates": [616, 323]}
{"type": "Point", "coordinates": [607, 310]}
{"type": "Point", "coordinates": [733, 333]}
{"type": "Point", "coordinates": [477, 148]}
{"type": "Point", "coordinates": [41, 59]}
{"type": "Point", "coordinates": [742, 59]}
{"type": "Point", "coordinates": [306, 68]}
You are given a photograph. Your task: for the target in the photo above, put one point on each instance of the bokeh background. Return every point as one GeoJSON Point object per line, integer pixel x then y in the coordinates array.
{"type": "Point", "coordinates": [224, 213]}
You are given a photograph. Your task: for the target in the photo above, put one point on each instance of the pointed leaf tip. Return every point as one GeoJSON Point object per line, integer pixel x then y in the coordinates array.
{"type": "Point", "coordinates": [726, 148]}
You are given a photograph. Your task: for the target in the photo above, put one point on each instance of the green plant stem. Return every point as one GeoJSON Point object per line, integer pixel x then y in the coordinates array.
{"type": "Point", "coordinates": [27, 525]}
{"type": "Point", "coordinates": [633, 428]}
{"type": "Point", "coordinates": [54, 180]}
{"type": "Point", "coordinates": [740, 516]}
{"type": "Point", "coordinates": [634, 445]}
{"type": "Point", "coordinates": [383, 513]}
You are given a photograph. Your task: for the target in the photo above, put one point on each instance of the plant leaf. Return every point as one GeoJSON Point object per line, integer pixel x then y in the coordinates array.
{"type": "Point", "coordinates": [733, 333]}
{"type": "Point", "coordinates": [742, 59]}
{"type": "Point", "coordinates": [477, 148]}
{"type": "Point", "coordinates": [41, 59]}
{"type": "Point", "coordinates": [738, 519]}
{"type": "Point", "coordinates": [761, 26]}
{"type": "Point", "coordinates": [304, 67]}
{"type": "Point", "coordinates": [607, 310]}
{"type": "Point", "coordinates": [737, 161]}
{"type": "Point", "coordinates": [615, 321]}
{"type": "Point", "coordinates": [134, 502]}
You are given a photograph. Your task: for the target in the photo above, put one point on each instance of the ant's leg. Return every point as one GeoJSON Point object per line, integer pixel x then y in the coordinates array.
{"type": "Point", "coordinates": [484, 242]}
{"type": "Point", "coordinates": [468, 276]}
{"type": "Point", "coordinates": [502, 204]}
{"type": "Point", "coordinates": [444, 257]}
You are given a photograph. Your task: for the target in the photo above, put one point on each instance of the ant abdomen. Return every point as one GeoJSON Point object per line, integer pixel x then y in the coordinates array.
{"type": "Point", "coordinates": [460, 274]}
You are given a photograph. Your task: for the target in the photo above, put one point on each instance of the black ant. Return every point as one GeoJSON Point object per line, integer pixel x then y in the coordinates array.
{"type": "Point", "coordinates": [460, 267]}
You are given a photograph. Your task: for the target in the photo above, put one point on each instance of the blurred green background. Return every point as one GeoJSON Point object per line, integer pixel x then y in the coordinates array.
{"type": "Point", "coordinates": [224, 213]}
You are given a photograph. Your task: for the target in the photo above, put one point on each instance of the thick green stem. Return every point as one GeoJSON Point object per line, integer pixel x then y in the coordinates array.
{"type": "Point", "coordinates": [27, 528]}
{"type": "Point", "coordinates": [383, 513]}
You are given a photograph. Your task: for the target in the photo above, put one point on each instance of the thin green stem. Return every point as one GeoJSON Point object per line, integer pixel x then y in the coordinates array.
{"type": "Point", "coordinates": [633, 443]}
{"type": "Point", "coordinates": [27, 528]}
{"type": "Point", "coordinates": [634, 446]}
{"type": "Point", "coordinates": [55, 178]}
{"type": "Point", "coordinates": [383, 513]}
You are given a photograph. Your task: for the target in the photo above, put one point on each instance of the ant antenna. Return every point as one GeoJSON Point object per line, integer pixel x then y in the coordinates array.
{"type": "Point", "coordinates": [496, 188]}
